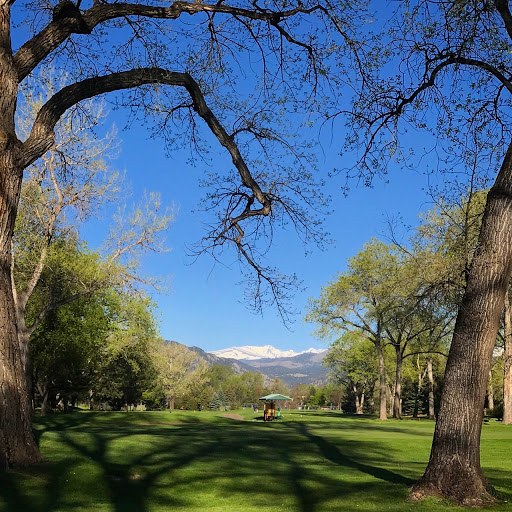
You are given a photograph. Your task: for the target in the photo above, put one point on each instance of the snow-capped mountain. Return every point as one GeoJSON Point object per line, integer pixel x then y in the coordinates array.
{"type": "Point", "coordinates": [250, 353]}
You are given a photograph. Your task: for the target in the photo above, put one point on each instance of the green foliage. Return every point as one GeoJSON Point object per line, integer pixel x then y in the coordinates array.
{"type": "Point", "coordinates": [100, 346]}
{"type": "Point", "coordinates": [67, 347]}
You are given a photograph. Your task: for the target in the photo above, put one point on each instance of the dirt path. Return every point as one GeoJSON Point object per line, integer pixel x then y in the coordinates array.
{"type": "Point", "coordinates": [233, 416]}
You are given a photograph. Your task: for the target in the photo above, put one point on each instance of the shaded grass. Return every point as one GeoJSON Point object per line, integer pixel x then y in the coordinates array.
{"type": "Point", "coordinates": [203, 461]}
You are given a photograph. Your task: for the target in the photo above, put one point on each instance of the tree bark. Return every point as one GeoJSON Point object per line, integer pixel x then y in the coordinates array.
{"type": "Point", "coordinates": [421, 376]}
{"type": "Point", "coordinates": [397, 406]}
{"type": "Point", "coordinates": [391, 390]}
{"type": "Point", "coordinates": [17, 444]}
{"type": "Point", "coordinates": [490, 393]}
{"type": "Point", "coordinates": [454, 467]}
{"type": "Point", "coordinates": [382, 383]}
{"type": "Point", "coordinates": [44, 392]}
{"type": "Point", "coordinates": [430, 373]}
{"type": "Point", "coordinates": [358, 399]}
{"type": "Point", "coordinates": [507, 365]}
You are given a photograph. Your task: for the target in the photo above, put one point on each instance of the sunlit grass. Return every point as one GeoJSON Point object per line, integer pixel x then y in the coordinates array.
{"type": "Point", "coordinates": [204, 461]}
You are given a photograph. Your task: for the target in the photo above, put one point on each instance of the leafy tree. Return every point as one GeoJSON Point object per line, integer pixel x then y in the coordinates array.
{"type": "Point", "coordinates": [455, 84]}
{"type": "Point", "coordinates": [300, 395]}
{"type": "Point", "coordinates": [180, 371]}
{"type": "Point", "coordinates": [361, 300]}
{"type": "Point", "coordinates": [66, 350]}
{"type": "Point", "coordinates": [335, 394]}
{"type": "Point", "coordinates": [66, 186]}
{"type": "Point", "coordinates": [129, 364]}
{"type": "Point", "coordinates": [278, 386]}
{"type": "Point", "coordinates": [351, 360]}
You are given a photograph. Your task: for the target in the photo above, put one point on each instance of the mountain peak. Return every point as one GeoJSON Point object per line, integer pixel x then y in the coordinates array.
{"type": "Point", "coordinates": [249, 352]}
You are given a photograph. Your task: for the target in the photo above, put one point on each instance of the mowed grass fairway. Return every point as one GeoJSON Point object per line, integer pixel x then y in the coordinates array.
{"type": "Point", "coordinates": [204, 461]}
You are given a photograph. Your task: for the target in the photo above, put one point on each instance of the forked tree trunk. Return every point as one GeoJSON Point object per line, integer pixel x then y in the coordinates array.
{"type": "Point", "coordinates": [454, 467]}
{"type": "Point", "coordinates": [358, 399]}
{"type": "Point", "coordinates": [430, 373]}
{"type": "Point", "coordinates": [507, 365]}
{"type": "Point", "coordinates": [44, 392]}
{"type": "Point", "coordinates": [382, 383]}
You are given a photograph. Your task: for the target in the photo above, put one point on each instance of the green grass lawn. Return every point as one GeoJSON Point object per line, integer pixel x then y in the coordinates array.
{"type": "Point", "coordinates": [203, 461]}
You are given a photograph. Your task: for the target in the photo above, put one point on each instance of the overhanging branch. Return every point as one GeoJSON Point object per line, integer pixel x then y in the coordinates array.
{"type": "Point", "coordinates": [68, 19]}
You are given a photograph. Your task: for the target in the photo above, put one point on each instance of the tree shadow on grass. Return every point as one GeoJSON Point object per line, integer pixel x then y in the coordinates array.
{"type": "Point", "coordinates": [135, 467]}
{"type": "Point", "coordinates": [369, 422]}
{"type": "Point", "coordinates": [333, 453]}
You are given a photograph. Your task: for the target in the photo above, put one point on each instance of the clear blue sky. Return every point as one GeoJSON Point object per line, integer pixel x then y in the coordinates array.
{"type": "Point", "coordinates": [205, 306]}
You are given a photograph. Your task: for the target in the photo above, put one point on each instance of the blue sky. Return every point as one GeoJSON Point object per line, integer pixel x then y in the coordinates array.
{"type": "Point", "coordinates": [205, 305]}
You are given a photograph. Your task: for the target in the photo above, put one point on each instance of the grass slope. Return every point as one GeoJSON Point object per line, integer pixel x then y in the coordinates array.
{"type": "Point", "coordinates": [309, 462]}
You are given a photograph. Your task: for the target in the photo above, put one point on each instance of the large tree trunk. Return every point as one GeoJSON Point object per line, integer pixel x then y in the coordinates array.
{"type": "Point", "coordinates": [17, 444]}
{"type": "Point", "coordinates": [507, 365]}
{"type": "Point", "coordinates": [382, 383]}
{"type": "Point", "coordinates": [430, 373]}
{"type": "Point", "coordinates": [454, 467]}
{"type": "Point", "coordinates": [397, 405]}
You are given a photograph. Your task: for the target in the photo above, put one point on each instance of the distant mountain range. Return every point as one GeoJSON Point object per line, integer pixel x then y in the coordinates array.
{"type": "Point", "coordinates": [249, 353]}
{"type": "Point", "coordinates": [304, 367]}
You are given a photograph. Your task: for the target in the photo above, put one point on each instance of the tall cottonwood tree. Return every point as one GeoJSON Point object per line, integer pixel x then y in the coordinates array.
{"type": "Point", "coordinates": [179, 73]}
{"type": "Point", "coordinates": [454, 81]}
{"type": "Point", "coordinates": [361, 300]}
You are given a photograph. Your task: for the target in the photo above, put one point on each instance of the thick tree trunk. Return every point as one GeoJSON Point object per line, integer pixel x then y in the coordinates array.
{"type": "Point", "coordinates": [397, 405]}
{"type": "Point", "coordinates": [454, 467]}
{"type": "Point", "coordinates": [17, 444]}
{"type": "Point", "coordinates": [382, 383]}
{"type": "Point", "coordinates": [430, 373]}
{"type": "Point", "coordinates": [507, 365]}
